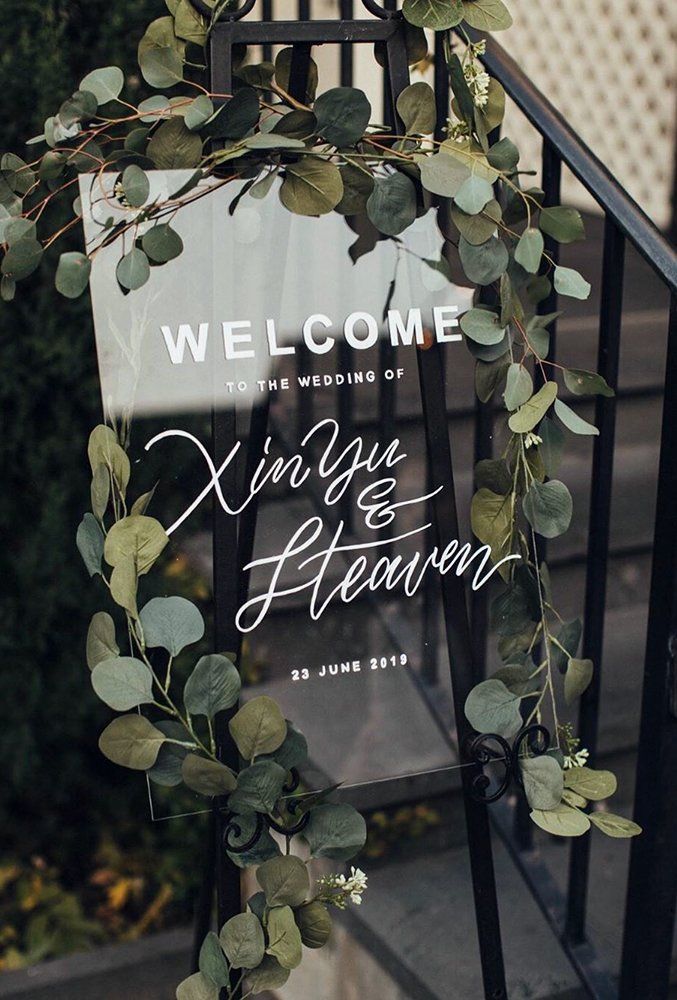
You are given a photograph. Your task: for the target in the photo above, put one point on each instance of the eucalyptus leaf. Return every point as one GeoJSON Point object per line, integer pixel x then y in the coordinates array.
{"type": "Point", "coordinates": [311, 187]}
{"type": "Point", "coordinates": [577, 679]}
{"type": "Point", "coordinates": [135, 185]}
{"type": "Point", "coordinates": [492, 708]}
{"type": "Point", "coordinates": [357, 186]}
{"type": "Point", "coordinates": [213, 686]}
{"type": "Point", "coordinates": [131, 741]}
{"type": "Point", "coordinates": [615, 826]}
{"type": "Point", "coordinates": [533, 411]}
{"type": "Point", "coordinates": [138, 537]}
{"type": "Point", "coordinates": [591, 784]}
{"type": "Point", "coordinates": [161, 243]}
{"type": "Point", "coordinates": [212, 962]}
{"type": "Point", "coordinates": [174, 147]}
{"type": "Point", "coordinates": [22, 258]}
{"type": "Point", "coordinates": [237, 117]}
{"type": "Point", "coordinates": [197, 987]}
{"type": "Point", "coordinates": [548, 508]}
{"type": "Point", "coordinates": [491, 522]}
{"type": "Point", "coordinates": [342, 115]}
{"type": "Point", "coordinates": [583, 383]}
{"type": "Point", "coordinates": [436, 14]}
{"type": "Point", "coordinates": [551, 447]}
{"type": "Point", "coordinates": [518, 678]}
{"type": "Point", "coordinates": [72, 274]}
{"type": "Point", "coordinates": [519, 386]}
{"type": "Point", "coordinates": [482, 326]}
{"type": "Point", "coordinates": [172, 623]}
{"type": "Point", "coordinates": [477, 229]}
{"type": "Point", "coordinates": [269, 975]}
{"type": "Point", "coordinates": [161, 67]}
{"type": "Point", "coordinates": [503, 155]}
{"type": "Point", "coordinates": [123, 584]}
{"type": "Point", "coordinates": [101, 644]}
{"type": "Point", "coordinates": [391, 206]}
{"type": "Point", "coordinates": [166, 771]}
{"type": "Point", "coordinates": [262, 849]}
{"type": "Point", "coordinates": [207, 777]}
{"type": "Point", "coordinates": [485, 263]}
{"type": "Point", "coordinates": [493, 474]}
{"type": "Point", "coordinates": [564, 821]}
{"type": "Point", "coordinates": [569, 282]}
{"type": "Point", "coordinates": [284, 937]}
{"type": "Point", "coordinates": [543, 782]}
{"type": "Point", "coordinates": [416, 107]}
{"type": "Point", "coordinates": [123, 683]}
{"type": "Point", "coordinates": [314, 923]}
{"type": "Point", "coordinates": [562, 223]}
{"type": "Point", "coordinates": [283, 61]}
{"type": "Point", "coordinates": [258, 728]}
{"type": "Point", "coordinates": [243, 941]}
{"type": "Point", "coordinates": [443, 174]}
{"type": "Point", "coordinates": [90, 542]}
{"type": "Point", "coordinates": [284, 880]}
{"type": "Point", "coordinates": [487, 15]}
{"type": "Point", "coordinates": [133, 269]}
{"type": "Point", "coordinates": [473, 195]}
{"type": "Point", "coordinates": [569, 636]}
{"type": "Point", "coordinates": [335, 831]}
{"type": "Point", "coordinates": [259, 786]}
{"type": "Point", "coordinates": [106, 83]}
{"type": "Point", "coordinates": [198, 112]}
{"type": "Point", "coordinates": [103, 449]}
{"type": "Point", "coordinates": [293, 752]}
{"type": "Point", "coordinates": [529, 250]}
{"type": "Point", "coordinates": [572, 421]}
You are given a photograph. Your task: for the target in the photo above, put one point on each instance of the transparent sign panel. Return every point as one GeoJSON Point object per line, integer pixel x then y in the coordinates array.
{"type": "Point", "coordinates": [265, 308]}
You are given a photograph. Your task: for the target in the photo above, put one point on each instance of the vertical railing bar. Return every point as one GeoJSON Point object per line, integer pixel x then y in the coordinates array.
{"type": "Point", "coordinates": [445, 520]}
{"type": "Point", "coordinates": [652, 878]}
{"type": "Point", "coordinates": [304, 359]}
{"type": "Point", "coordinates": [345, 396]}
{"type": "Point", "coordinates": [601, 489]}
{"type": "Point", "coordinates": [267, 15]}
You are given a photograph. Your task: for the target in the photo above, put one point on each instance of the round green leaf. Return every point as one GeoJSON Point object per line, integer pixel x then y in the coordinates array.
{"type": "Point", "coordinates": [212, 962]}
{"type": "Point", "coordinates": [564, 821]}
{"type": "Point", "coordinates": [473, 194]}
{"type": "Point", "coordinates": [106, 83]}
{"type": "Point", "coordinates": [162, 243]}
{"type": "Point", "coordinates": [213, 686]}
{"type": "Point", "coordinates": [259, 786]}
{"type": "Point", "coordinates": [90, 542]}
{"type": "Point", "coordinates": [491, 521]}
{"type": "Point", "coordinates": [314, 923]}
{"type": "Point", "coordinates": [22, 258]}
{"type": "Point", "coordinates": [103, 449]}
{"type": "Point", "coordinates": [615, 826]}
{"type": "Point", "coordinates": [436, 14]}
{"type": "Point", "coordinates": [416, 107]}
{"type": "Point", "coordinates": [335, 831]}
{"type": "Point", "coordinates": [135, 185]}
{"type": "Point", "coordinates": [569, 282]}
{"type": "Point", "coordinates": [391, 206]}
{"type": "Point", "coordinates": [123, 683]}
{"type": "Point", "coordinates": [243, 941]}
{"type": "Point", "coordinates": [577, 679]}
{"type": "Point", "coordinates": [357, 186]}
{"type": "Point", "coordinates": [136, 537]}
{"type": "Point", "coordinates": [492, 708]}
{"type": "Point", "coordinates": [197, 987]}
{"type": "Point", "coordinates": [166, 771]}
{"type": "Point", "coordinates": [482, 326]}
{"type": "Point", "coordinates": [529, 250]}
{"type": "Point", "coordinates": [552, 443]}
{"type": "Point", "coordinates": [174, 147]}
{"type": "Point", "coordinates": [269, 975]}
{"type": "Point", "coordinates": [101, 644]}
{"type": "Point", "coordinates": [172, 623]}
{"type": "Point", "coordinates": [284, 937]}
{"type": "Point", "coordinates": [161, 67]}
{"type": "Point", "coordinates": [263, 849]}
{"type": "Point", "coordinates": [583, 383]}
{"type": "Point", "coordinates": [72, 274]}
{"type": "Point", "coordinates": [548, 508]}
{"type": "Point", "coordinates": [284, 880]}
{"type": "Point", "coordinates": [198, 112]}
{"type": "Point", "coordinates": [519, 386]}
{"type": "Point", "coordinates": [477, 229]}
{"type": "Point", "coordinates": [235, 118]}
{"type": "Point", "coordinates": [342, 115]}
{"type": "Point", "coordinates": [591, 784]}
{"type": "Point", "coordinates": [311, 187]}
{"type": "Point", "coordinates": [443, 174]}
{"type": "Point", "coordinates": [485, 263]}
{"type": "Point", "coordinates": [258, 727]}
{"type": "Point", "coordinates": [487, 15]}
{"type": "Point", "coordinates": [562, 223]}
{"type": "Point", "coordinates": [207, 777]}
{"type": "Point", "coordinates": [294, 750]}
{"type": "Point", "coordinates": [131, 741]}
{"type": "Point", "coordinates": [133, 269]}
{"type": "Point", "coordinates": [543, 781]}
{"type": "Point", "coordinates": [533, 411]}
{"type": "Point", "coordinates": [572, 421]}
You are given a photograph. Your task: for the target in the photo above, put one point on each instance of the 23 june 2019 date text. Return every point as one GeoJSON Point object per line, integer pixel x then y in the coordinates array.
{"type": "Point", "coordinates": [343, 668]}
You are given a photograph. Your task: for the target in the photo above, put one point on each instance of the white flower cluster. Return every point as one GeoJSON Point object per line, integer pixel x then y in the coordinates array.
{"type": "Point", "coordinates": [478, 81]}
{"type": "Point", "coordinates": [339, 890]}
{"type": "Point", "coordinates": [578, 758]}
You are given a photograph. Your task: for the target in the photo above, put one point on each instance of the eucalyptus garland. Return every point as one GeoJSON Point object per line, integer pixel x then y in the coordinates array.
{"type": "Point", "coordinates": [174, 743]}
{"type": "Point", "coordinates": [327, 156]}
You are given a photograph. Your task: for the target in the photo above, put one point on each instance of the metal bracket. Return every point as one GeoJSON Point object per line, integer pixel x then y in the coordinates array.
{"type": "Point", "coordinates": [490, 748]}
{"type": "Point", "coordinates": [233, 829]}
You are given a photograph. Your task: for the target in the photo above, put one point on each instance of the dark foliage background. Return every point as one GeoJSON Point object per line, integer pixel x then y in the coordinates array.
{"type": "Point", "coordinates": [58, 796]}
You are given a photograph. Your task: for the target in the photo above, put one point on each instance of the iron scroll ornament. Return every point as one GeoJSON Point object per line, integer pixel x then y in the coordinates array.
{"type": "Point", "coordinates": [233, 829]}
{"type": "Point", "coordinates": [490, 748]}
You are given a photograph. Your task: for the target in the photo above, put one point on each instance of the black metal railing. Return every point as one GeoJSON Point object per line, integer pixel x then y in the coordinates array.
{"type": "Point", "coordinates": [652, 880]}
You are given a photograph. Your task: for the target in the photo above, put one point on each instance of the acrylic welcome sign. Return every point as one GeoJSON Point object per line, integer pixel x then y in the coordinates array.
{"type": "Point", "coordinates": [265, 308]}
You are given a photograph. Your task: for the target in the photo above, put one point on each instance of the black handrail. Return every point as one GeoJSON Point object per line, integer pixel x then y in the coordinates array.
{"type": "Point", "coordinates": [588, 168]}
